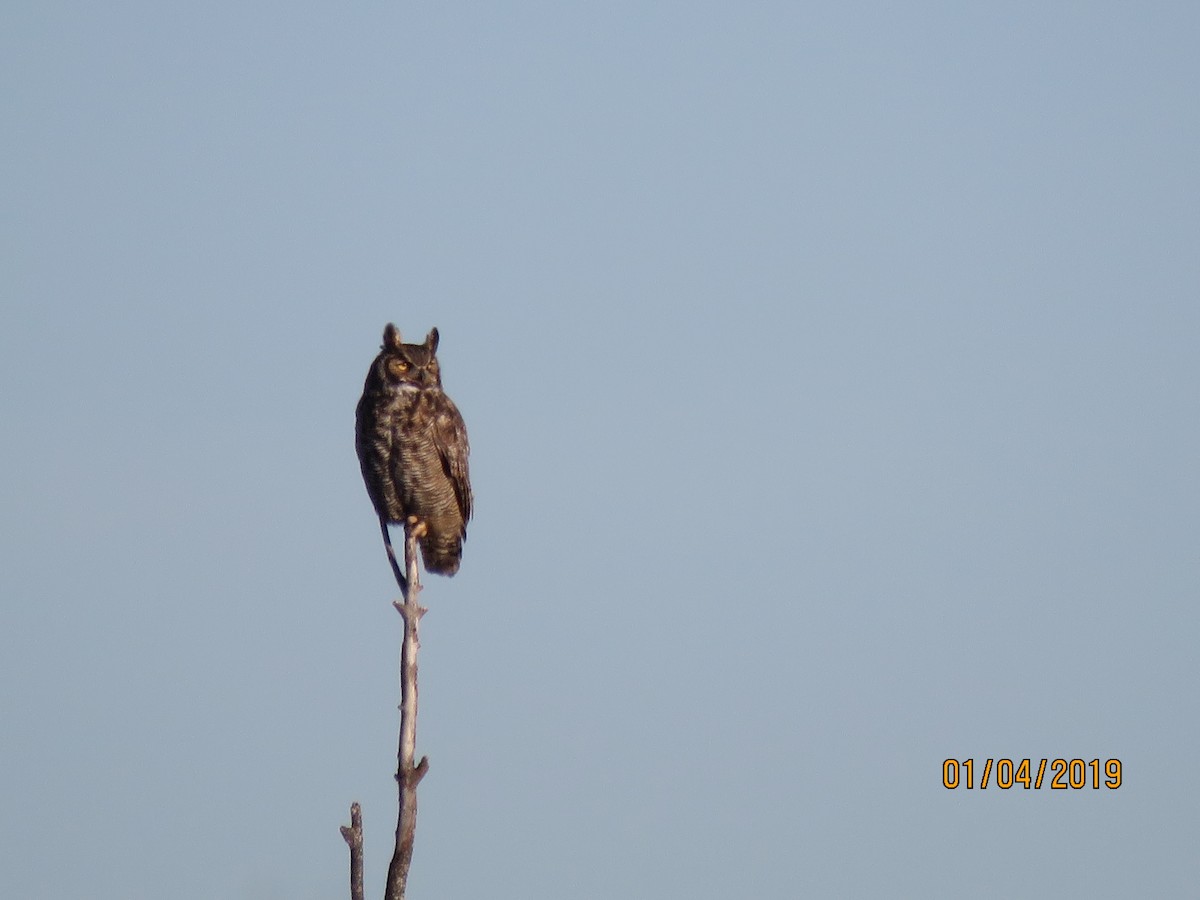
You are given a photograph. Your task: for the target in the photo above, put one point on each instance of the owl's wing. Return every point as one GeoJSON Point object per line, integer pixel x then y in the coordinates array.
{"type": "Point", "coordinates": [450, 437]}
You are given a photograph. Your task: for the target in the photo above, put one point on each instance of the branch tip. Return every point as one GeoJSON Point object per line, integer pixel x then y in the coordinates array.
{"type": "Point", "coordinates": [353, 836]}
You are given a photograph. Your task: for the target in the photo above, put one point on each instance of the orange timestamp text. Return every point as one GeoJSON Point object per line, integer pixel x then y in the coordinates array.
{"type": "Point", "coordinates": [1064, 774]}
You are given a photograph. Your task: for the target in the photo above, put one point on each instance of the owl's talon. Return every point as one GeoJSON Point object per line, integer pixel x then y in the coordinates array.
{"type": "Point", "coordinates": [417, 527]}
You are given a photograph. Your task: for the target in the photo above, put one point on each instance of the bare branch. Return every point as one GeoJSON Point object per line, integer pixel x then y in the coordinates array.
{"type": "Point", "coordinates": [354, 837]}
{"type": "Point", "coordinates": [408, 775]}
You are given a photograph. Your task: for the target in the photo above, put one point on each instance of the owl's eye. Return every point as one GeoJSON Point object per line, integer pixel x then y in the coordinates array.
{"type": "Point", "coordinates": [398, 366]}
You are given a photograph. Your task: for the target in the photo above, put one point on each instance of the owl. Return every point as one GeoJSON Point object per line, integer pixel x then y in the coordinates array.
{"type": "Point", "coordinates": [412, 446]}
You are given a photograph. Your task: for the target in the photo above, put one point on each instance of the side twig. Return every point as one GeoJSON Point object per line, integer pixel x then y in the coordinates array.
{"type": "Point", "coordinates": [408, 775]}
{"type": "Point", "coordinates": [354, 837]}
{"type": "Point", "coordinates": [391, 554]}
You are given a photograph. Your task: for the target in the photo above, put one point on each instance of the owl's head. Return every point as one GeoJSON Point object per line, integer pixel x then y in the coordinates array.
{"type": "Point", "coordinates": [408, 366]}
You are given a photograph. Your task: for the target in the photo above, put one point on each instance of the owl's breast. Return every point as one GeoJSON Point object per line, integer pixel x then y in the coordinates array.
{"type": "Point", "coordinates": [423, 486]}
{"type": "Point", "coordinates": [382, 418]}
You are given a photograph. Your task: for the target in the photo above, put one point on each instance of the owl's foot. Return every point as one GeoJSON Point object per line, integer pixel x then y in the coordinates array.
{"type": "Point", "coordinates": [415, 527]}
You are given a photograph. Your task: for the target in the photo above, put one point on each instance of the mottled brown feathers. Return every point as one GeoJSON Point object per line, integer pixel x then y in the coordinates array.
{"type": "Point", "coordinates": [412, 447]}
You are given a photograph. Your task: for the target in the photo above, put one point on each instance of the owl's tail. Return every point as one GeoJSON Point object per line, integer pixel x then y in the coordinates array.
{"type": "Point", "coordinates": [442, 553]}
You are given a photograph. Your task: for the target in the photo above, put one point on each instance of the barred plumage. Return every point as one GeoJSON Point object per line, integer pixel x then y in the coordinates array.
{"type": "Point", "coordinates": [412, 447]}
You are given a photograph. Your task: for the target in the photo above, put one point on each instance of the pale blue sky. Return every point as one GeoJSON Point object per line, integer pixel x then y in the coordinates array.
{"type": "Point", "coordinates": [831, 374]}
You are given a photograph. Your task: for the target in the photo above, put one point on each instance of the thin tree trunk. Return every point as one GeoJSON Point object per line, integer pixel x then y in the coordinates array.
{"type": "Point", "coordinates": [408, 776]}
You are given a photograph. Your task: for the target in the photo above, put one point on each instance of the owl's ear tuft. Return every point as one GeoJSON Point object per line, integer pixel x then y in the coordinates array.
{"type": "Point", "coordinates": [431, 340]}
{"type": "Point", "coordinates": [391, 337]}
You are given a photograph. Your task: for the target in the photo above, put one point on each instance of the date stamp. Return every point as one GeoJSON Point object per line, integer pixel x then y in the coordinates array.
{"type": "Point", "coordinates": [1056, 774]}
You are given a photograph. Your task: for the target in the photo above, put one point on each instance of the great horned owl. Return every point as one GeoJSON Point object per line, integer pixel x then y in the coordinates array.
{"type": "Point", "coordinates": [412, 446]}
